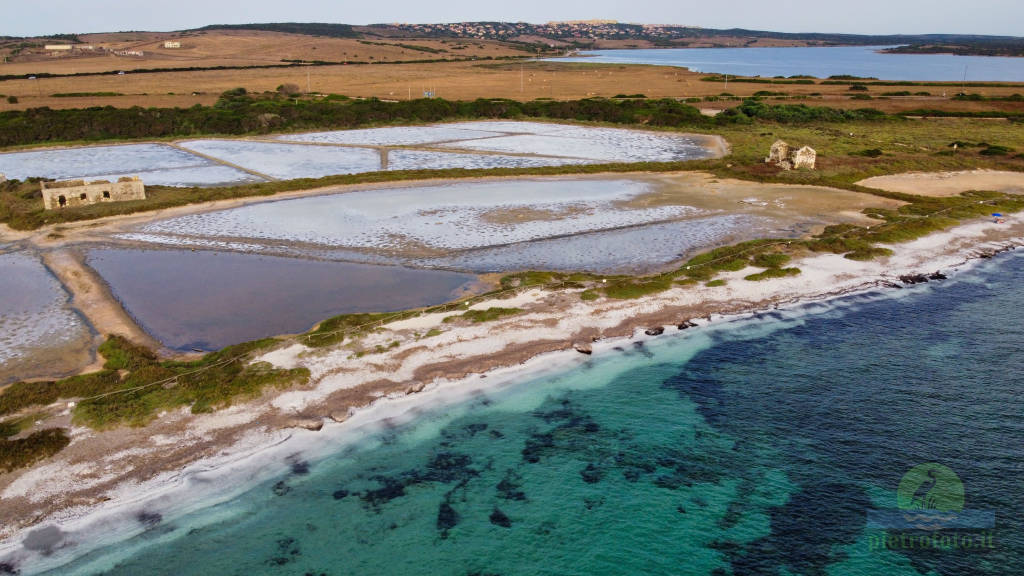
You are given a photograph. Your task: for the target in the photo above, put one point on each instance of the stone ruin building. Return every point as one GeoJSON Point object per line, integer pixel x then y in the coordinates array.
{"type": "Point", "coordinates": [785, 157]}
{"type": "Point", "coordinates": [73, 193]}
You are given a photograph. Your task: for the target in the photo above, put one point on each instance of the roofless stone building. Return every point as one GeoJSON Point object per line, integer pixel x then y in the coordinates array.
{"type": "Point", "coordinates": [785, 157]}
{"type": "Point", "coordinates": [73, 193]}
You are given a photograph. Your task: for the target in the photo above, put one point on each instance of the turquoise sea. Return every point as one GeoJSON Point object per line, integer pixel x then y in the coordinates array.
{"type": "Point", "coordinates": [756, 446]}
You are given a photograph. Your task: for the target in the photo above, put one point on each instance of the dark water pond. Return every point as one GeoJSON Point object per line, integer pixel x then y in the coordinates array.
{"type": "Point", "coordinates": [209, 300]}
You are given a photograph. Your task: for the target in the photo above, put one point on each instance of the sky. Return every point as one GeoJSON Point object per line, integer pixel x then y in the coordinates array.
{"type": "Point", "coordinates": [998, 17]}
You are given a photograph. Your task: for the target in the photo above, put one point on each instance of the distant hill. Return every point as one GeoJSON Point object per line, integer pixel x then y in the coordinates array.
{"type": "Point", "coordinates": [310, 29]}
{"type": "Point", "coordinates": [609, 34]}
{"type": "Point", "coordinates": [601, 34]}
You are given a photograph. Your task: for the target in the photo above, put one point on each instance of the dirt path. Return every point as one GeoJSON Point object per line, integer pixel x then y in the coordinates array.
{"type": "Point", "coordinates": [91, 297]}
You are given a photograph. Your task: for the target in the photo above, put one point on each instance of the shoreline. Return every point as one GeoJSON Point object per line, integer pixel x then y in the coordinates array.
{"type": "Point", "coordinates": [102, 473]}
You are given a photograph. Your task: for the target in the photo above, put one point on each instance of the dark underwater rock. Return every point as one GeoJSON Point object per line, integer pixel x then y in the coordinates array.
{"type": "Point", "coordinates": [448, 467]}
{"type": "Point", "coordinates": [280, 489]}
{"type": "Point", "coordinates": [499, 518]}
{"type": "Point", "coordinates": [535, 447]}
{"type": "Point", "coordinates": [392, 488]}
{"type": "Point", "coordinates": [300, 467]}
{"type": "Point", "coordinates": [149, 519]}
{"type": "Point", "coordinates": [592, 474]}
{"type": "Point", "coordinates": [447, 518]}
{"type": "Point", "coordinates": [287, 551]}
{"type": "Point", "coordinates": [639, 346]}
{"type": "Point", "coordinates": [509, 487]}
{"type": "Point", "coordinates": [807, 533]}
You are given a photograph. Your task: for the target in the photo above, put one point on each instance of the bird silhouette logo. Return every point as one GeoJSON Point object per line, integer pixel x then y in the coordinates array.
{"type": "Point", "coordinates": [930, 495]}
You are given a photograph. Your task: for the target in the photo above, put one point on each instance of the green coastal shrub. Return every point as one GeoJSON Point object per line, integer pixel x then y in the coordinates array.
{"type": "Point", "coordinates": [488, 315]}
{"type": "Point", "coordinates": [628, 289]}
{"type": "Point", "coordinates": [996, 151]}
{"type": "Point", "coordinates": [24, 452]}
{"type": "Point", "coordinates": [147, 385]}
{"type": "Point", "coordinates": [865, 254]}
{"type": "Point", "coordinates": [773, 273]}
{"type": "Point", "coordinates": [334, 330]}
{"type": "Point", "coordinates": [770, 259]}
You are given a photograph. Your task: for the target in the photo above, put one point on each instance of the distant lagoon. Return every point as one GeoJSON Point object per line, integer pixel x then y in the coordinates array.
{"type": "Point", "coordinates": [820, 62]}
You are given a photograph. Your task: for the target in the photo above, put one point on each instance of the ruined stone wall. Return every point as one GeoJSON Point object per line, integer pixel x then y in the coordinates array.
{"type": "Point", "coordinates": [805, 157]}
{"type": "Point", "coordinates": [778, 153]}
{"type": "Point", "coordinates": [73, 193]}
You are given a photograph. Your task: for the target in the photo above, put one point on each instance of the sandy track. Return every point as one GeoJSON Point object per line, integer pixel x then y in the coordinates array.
{"type": "Point", "coordinates": [948, 183]}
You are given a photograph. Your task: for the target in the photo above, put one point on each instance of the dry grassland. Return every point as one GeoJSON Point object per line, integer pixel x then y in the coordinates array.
{"type": "Point", "coordinates": [460, 81]}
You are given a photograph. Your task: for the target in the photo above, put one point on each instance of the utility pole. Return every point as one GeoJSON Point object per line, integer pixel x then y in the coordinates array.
{"type": "Point", "coordinates": [309, 85]}
{"type": "Point", "coordinates": [727, 82]}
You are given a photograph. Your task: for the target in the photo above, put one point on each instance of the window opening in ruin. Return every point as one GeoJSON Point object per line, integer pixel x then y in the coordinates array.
{"type": "Point", "coordinates": [62, 200]}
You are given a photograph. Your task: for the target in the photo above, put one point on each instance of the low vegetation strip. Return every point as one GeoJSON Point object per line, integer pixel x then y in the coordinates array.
{"type": "Point", "coordinates": [24, 452]}
{"type": "Point", "coordinates": [488, 315]}
{"type": "Point", "coordinates": [134, 385]}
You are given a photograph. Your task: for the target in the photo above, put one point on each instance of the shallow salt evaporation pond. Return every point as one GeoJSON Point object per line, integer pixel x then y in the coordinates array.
{"type": "Point", "coordinates": [156, 164]}
{"type": "Point", "coordinates": [469, 145]}
{"type": "Point", "coordinates": [208, 300]}
{"type": "Point", "coordinates": [597, 224]}
{"type": "Point", "coordinates": [476, 226]}
{"type": "Point", "coordinates": [437, 218]}
{"type": "Point", "coordinates": [39, 333]}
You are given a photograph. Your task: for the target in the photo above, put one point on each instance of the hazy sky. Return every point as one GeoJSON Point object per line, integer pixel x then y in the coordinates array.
{"type": "Point", "coordinates": [1003, 17]}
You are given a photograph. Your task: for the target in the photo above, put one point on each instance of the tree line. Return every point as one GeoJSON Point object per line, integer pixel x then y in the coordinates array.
{"type": "Point", "coordinates": [238, 112]}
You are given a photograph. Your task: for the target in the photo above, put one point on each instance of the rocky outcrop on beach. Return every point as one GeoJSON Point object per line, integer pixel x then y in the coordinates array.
{"type": "Point", "coordinates": [583, 347]}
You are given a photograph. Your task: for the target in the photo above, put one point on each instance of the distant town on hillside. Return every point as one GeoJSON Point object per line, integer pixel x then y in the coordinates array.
{"type": "Point", "coordinates": [597, 34]}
